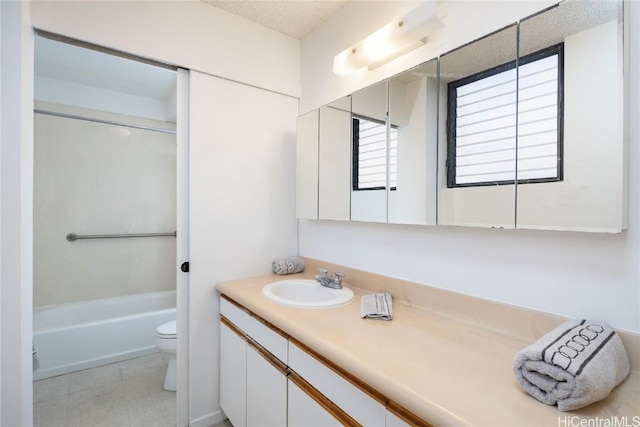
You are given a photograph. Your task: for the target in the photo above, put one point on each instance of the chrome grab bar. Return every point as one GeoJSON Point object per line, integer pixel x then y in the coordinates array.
{"type": "Point", "coordinates": [72, 237]}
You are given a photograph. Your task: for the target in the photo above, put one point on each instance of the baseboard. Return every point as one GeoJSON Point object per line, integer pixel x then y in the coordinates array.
{"type": "Point", "coordinates": [41, 374]}
{"type": "Point", "coordinates": [209, 419]}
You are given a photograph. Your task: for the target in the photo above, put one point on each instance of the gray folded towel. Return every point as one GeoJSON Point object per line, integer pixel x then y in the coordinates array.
{"type": "Point", "coordinates": [291, 265]}
{"type": "Point", "coordinates": [376, 306]}
{"type": "Point", "coordinates": [576, 364]}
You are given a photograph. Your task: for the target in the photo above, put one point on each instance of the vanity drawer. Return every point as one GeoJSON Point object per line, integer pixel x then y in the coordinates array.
{"type": "Point", "coordinates": [272, 340]}
{"type": "Point", "coordinates": [367, 407]}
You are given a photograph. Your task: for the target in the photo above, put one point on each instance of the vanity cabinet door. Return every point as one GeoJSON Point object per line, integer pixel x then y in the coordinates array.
{"type": "Point", "coordinates": [398, 416]}
{"type": "Point", "coordinates": [309, 408]}
{"type": "Point", "coordinates": [266, 389]}
{"type": "Point", "coordinates": [392, 420]}
{"type": "Point", "coordinates": [233, 374]}
{"type": "Point", "coordinates": [351, 399]}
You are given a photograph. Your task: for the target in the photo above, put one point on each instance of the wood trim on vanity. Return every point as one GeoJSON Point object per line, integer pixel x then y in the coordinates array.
{"type": "Point", "coordinates": [323, 401]}
{"type": "Point", "coordinates": [274, 361]}
{"type": "Point", "coordinates": [233, 327]}
{"type": "Point", "coordinates": [405, 415]}
{"type": "Point", "coordinates": [256, 317]}
{"type": "Point", "coordinates": [366, 388]}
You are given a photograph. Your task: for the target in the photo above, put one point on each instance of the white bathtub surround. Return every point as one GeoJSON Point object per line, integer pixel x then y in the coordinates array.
{"type": "Point", "coordinates": [75, 336]}
{"type": "Point", "coordinates": [95, 178]}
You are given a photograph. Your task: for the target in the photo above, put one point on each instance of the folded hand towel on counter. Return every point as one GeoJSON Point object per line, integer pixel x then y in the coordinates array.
{"type": "Point", "coordinates": [574, 365]}
{"type": "Point", "coordinates": [291, 265]}
{"type": "Point", "coordinates": [376, 306]}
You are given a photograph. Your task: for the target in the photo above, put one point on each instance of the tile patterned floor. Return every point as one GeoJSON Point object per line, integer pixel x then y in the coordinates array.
{"type": "Point", "coordinates": [127, 394]}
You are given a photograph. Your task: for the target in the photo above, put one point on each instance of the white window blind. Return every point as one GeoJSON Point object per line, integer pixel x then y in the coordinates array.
{"type": "Point", "coordinates": [538, 119]}
{"type": "Point", "coordinates": [372, 155]}
{"type": "Point", "coordinates": [485, 125]}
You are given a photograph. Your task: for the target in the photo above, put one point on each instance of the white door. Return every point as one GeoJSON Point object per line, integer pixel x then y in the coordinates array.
{"type": "Point", "coordinates": [241, 209]}
{"type": "Point", "coordinates": [182, 248]}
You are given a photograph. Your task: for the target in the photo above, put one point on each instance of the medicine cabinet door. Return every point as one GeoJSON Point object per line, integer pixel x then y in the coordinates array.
{"type": "Point", "coordinates": [413, 143]}
{"type": "Point", "coordinates": [307, 165]}
{"type": "Point", "coordinates": [334, 167]}
{"type": "Point", "coordinates": [477, 133]}
{"type": "Point", "coordinates": [570, 143]}
{"type": "Point", "coordinates": [372, 163]}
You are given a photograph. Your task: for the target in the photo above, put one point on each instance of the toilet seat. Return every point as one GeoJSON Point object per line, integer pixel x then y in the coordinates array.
{"type": "Point", "coordinates": [167, 330]}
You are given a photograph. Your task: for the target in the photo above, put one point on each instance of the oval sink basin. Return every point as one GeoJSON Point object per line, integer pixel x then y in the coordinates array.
{"type": "Point", "coordinates": [306, 293]}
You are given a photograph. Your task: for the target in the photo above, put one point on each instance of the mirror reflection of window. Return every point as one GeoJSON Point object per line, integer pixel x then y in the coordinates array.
{"type": "Point", "coordinates": [478, 127]}
{"type": "Point", "coordinates": [370, 160]}
{"type": "Point", "coordinates": [370, 172]}
{"type": "Point", "coordinates": [482, 129]}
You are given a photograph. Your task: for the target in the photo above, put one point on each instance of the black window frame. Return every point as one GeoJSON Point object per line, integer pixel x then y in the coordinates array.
{"type": "Point", "coordinates": [355, 147]}
{"type": "Point", "coordinates": [557, 49]}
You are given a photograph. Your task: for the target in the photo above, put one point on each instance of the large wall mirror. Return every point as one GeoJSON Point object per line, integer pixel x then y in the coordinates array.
{"type": "Point", "coordinates": [373, 164]}
{"type": "Point", "coordinates": [413, 112]}
{"type": "Point", "coordinates": [334, 166]}
{"type": "Point", "coordinates": [522, 128]}
{"type": "Point", "coordinates": [570, 118]}
{"type": "Point", "coordinates": [307, 165]}
{"type": "Point", "coordinates": [478, 133]}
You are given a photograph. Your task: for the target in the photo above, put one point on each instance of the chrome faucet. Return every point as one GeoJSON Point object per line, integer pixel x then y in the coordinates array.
{"type": "Point", "coordinates": [328, 281]}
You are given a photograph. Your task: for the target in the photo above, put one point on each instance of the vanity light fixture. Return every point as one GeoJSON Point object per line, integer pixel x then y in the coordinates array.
{"type": "Point", "coordinates": [389, 42]}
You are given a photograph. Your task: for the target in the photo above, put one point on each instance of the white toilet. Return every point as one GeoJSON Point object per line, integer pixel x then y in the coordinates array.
{"type": "Point", "coordinates": [166, 342]}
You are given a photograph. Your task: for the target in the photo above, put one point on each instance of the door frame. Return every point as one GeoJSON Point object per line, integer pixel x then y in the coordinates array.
{"type": "Point", "coordinates": [182, 247]}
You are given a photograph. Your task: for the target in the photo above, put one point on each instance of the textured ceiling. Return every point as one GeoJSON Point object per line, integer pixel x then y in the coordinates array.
{"type": "Point", "coordinates": [537, 32]}
{"type": "Point", "coordinates": [295, 18]}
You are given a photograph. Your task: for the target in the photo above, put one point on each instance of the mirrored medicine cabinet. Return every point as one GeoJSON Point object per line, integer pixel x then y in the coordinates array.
{"type": "Point", "coordinates": [522, 128]}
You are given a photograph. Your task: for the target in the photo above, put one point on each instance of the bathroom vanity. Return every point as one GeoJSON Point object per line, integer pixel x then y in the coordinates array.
{"type": "Point", "coordinates": [445, 359]}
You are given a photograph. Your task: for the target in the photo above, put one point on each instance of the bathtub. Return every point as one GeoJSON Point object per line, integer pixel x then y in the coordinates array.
{"type": "Point", "coordinates": [81, 335]}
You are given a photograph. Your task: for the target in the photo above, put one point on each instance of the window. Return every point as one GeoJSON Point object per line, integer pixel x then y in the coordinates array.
{"type": "Point", "coordinates": [370, 154]}
{"type": "Point", "coordinates": [482, 123]}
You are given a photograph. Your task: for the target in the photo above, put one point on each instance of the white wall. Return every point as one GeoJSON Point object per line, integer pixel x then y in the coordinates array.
{"type": "Point", "coordinates": [570, 274]}
{"type": "Point", "coordinates": [187, 33]}
{"type": "Point", "coordinates": [16, 167]}
{"type": "Point", "coordinates": [242, 208]}
{"type": "Point", "coordinates": [96, 178]}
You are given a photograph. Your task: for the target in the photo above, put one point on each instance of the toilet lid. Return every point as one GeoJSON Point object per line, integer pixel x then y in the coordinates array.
{"type": "Point", "coordinates": [167, 330]}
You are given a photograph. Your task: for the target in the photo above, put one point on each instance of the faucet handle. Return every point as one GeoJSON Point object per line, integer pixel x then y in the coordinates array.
{"type": "Point", "coordinates": [339, 277]}
{"type": "Point", "coordinates": [324, 271]}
